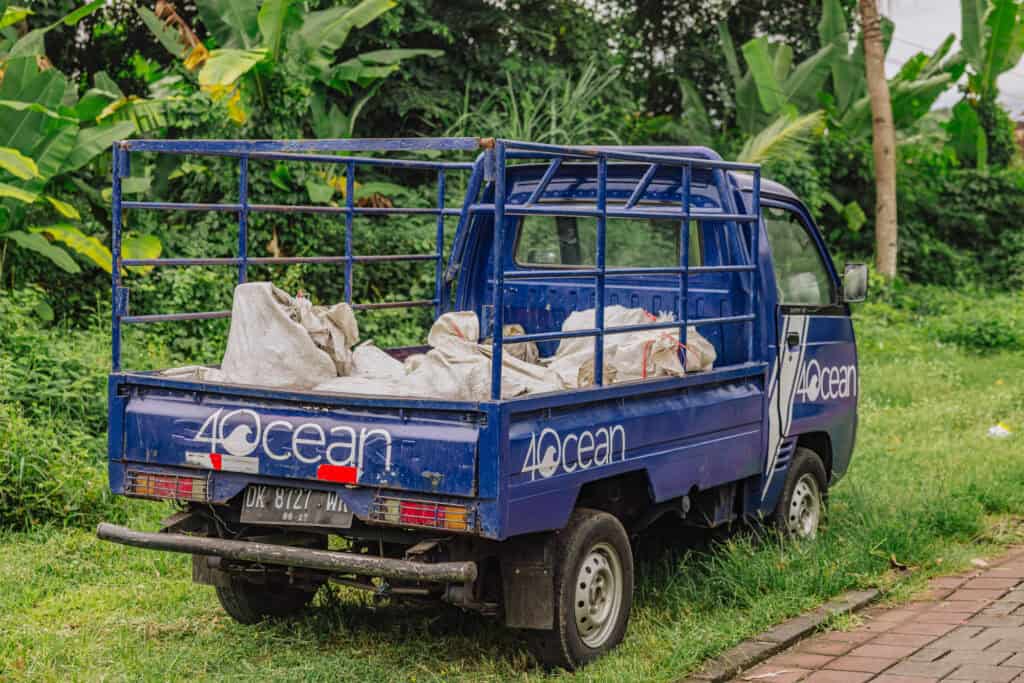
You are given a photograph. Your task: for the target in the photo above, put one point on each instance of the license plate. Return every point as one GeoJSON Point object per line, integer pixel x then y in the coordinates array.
{"type": "Point", "coordinates": [300, 507]}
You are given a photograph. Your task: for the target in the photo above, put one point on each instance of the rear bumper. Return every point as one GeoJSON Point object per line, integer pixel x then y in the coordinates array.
{"type": "Point", "coordinates": [269, 553]}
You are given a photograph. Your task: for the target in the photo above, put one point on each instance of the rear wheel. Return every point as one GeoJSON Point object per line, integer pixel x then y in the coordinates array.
{"type": "Point", "coordinates": [593, 591]}
{"type": "Point", "coordinates": [250, 603]}
{"type": "Point", "coordinates": [802, 504]}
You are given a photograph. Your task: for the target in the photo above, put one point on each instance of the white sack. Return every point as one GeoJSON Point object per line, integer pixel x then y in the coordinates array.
{"type": "Point", "coordinates": [524, 351]}
{"type": "Point", "coordinates": [700, 353]}
{"type": "Point", "coordinates": [462, 368]}
{"type": "Point", "coordinates": [334, 329]}
{"type": "Point", "coordinates": [454, 328]}
{"type": "Point", "coordinates": [628, 356]}
{"type": "Point", "coordinates": [413, 361]}
{"type": "Point", "coordinates": [280, 341]}
{"type": "Point", "coordinates": [456, 368]}
{"type": "Point", "coordinates": [277, 340]}
{"type": "Point", "coordinates": [194, 373]}
{"type": "Point", "coordinates": [574, 359]}
{"type": "Point", "coordinates": [368, 360]}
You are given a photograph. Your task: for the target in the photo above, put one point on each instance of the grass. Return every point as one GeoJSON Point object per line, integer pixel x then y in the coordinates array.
{"type": "Point", "coordinates": [927, 489]}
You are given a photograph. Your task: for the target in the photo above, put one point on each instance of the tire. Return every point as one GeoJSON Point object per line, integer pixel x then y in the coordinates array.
{"type": "Point", "coordinates": [801, 506]}
{"type": "Point", "coordinates": [593, 594]}
{"type": "Point", "coordinates": [250, 603]}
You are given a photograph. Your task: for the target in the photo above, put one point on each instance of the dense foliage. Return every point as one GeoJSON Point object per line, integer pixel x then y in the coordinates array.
{"type": "Point", "coordinates": [633, 73]}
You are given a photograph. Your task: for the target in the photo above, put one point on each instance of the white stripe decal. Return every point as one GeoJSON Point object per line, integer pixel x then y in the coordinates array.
{"type": "Point", "coordinates": [782, 390]}
{"type": "Point", "coordinates": [223, 462]}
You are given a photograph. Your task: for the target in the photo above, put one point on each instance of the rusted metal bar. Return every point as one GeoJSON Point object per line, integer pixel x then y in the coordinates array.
{"type": "Point", "coordinates": [290, 556]}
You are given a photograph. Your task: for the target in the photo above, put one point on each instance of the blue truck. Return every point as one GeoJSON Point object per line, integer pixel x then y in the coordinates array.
{"type": "Point", "coordinates": [522, 508]}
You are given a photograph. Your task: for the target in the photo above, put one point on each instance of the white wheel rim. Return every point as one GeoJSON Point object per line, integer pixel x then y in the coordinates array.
{"type": "Point", "coordinates": [598, 595]}
{"type": "Point", "coordinates": [804, 512]}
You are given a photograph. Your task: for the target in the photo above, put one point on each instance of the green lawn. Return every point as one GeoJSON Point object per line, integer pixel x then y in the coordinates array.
{"type": "Point", "coordinates": [927, 488]}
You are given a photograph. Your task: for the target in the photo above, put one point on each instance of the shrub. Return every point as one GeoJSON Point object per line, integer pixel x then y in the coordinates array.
{"type": "Point", "coordinates": [973, 319]}
{"type": "Point", "coordinates": [51, 371]}
{"type": "Point", "coordinates": [51, 473]}
{"type": "Point", "coordinates": [980, 333]}
{"type": "Point", "coordinates": [59, 371]}
{"type": "Point", "coordinates": [960, 227]}
{"type": "Point", "coordinates": [53, 414]}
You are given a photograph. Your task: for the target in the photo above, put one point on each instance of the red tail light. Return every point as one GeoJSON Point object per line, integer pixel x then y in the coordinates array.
{"type": "Point", "coordinates": [421, 513]}
{"type": "Point", "coordinates": [166, 486]}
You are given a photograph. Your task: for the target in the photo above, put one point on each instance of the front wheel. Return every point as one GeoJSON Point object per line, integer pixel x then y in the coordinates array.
{"type": "Point", "coordinates": [593, 591]}
{"type": "Point", "coordinates": [802, 504]}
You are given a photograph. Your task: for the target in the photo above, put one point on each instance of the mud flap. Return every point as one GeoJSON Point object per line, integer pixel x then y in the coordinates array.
{"type": "Point", "coordinates": [528, 585]}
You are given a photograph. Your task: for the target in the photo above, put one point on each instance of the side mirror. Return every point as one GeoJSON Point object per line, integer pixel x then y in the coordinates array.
{"type": "Point", "coordinates": [855, 282]}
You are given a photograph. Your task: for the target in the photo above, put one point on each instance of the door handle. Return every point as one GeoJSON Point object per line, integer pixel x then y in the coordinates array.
{"type": "Point", "coordinates": [792, 340]}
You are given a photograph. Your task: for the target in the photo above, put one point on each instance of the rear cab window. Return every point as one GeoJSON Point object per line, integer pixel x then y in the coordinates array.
{"type": "Point", "coordinates": [567, 241]}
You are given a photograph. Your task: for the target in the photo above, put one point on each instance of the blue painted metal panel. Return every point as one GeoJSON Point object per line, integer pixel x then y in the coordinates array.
{"type": "Point", "coordinates": [682, 440]}
{"type": "Point", "coordinates": [404, 452]}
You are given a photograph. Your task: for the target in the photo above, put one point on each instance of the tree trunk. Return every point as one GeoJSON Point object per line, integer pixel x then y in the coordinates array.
{"type": "Point", "coordinates": [883, 140]}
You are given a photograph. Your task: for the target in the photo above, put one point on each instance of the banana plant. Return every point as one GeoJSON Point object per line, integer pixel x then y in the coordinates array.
{"type": "Point", "coordinates": [47, 135]}
{"type": "Point", "coordinates": [256, 38]}
{"type": "Point", "coordinates": [779, 106]}
{"type": "Point", "coordinates": [913, 90]}
{"type": "Point", "coordinates": [992, 43]}
{"type": "Point", "coordinates": [772, 87]}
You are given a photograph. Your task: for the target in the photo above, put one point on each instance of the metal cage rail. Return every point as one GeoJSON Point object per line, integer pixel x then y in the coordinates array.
{"type": "Point", "coordinates": [505, 149]}
{"type": "Point", "coordinates": [491, 166]}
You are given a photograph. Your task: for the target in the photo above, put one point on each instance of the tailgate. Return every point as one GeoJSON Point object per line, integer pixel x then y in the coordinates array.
{"type": "Point", "coordinates": [414, 449]}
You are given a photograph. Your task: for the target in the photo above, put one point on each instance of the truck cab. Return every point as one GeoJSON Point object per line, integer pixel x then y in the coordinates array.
{"type": "Point", "coordinates": [521, 506]}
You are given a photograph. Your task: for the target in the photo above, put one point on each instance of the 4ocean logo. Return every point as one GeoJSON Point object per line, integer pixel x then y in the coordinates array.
{"type": "Point", "coordinates": [550, 452]}
{"type": "Point", "coordinates": [826, 383]}
{"type": "Point", "coordinates": [236, 440]}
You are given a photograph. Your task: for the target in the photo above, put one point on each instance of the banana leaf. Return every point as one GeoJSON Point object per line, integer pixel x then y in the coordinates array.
{"type": "Point", "coordinates": [224, 67]}
{"type": "Point", "coordinates": [1004, 42]}
{"type": "Point", "coordinates": [96, 140]}
{"type": "Point", "coordinates": [19, 193]}
{"type": "Point", "coordinates": [802, 86]}
{"type": "Point", "coordinates": [324, 32]}
{"type": "Point", "coordinates": [17, 164]}
{"type": "Point", "coordinates": [759, 60]}
{"type": "Point", "coordinates": [167, 36]}
{"type": "Point", "coordinates": [972, 31]}
{"type": "Point", "coordinates": [12, 15]}
{"type": "Point", "coordinates": [40, 245]}
{"type": "Point", "coordinates": [234, 23]}
{"type": "Point", "coordinates": [85, 245]}
{"type": "Point", "coordinates": [275, 17]}
{"type": "Point", "coordinates": [967, 135]}
{"type": "Point", "coordinates": [63, 208]}
{"type": "Point", "coordinates": [729, 50]}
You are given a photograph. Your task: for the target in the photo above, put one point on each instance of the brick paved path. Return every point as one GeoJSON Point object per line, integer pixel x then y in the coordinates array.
{"type": "Point", "coordinates": [965, 628]}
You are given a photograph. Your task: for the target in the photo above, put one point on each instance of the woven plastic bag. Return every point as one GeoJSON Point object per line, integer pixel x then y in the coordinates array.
{"type": "Point", "coordinates": [457, 368]}
{"type": "Point", "coordinates": [277, 340]}
{"type": "Point", "coordinates": [628, 356]}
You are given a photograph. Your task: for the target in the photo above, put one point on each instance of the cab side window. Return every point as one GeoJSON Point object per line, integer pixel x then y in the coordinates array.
{"type": "Point", "coordinates": [800, 272]}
